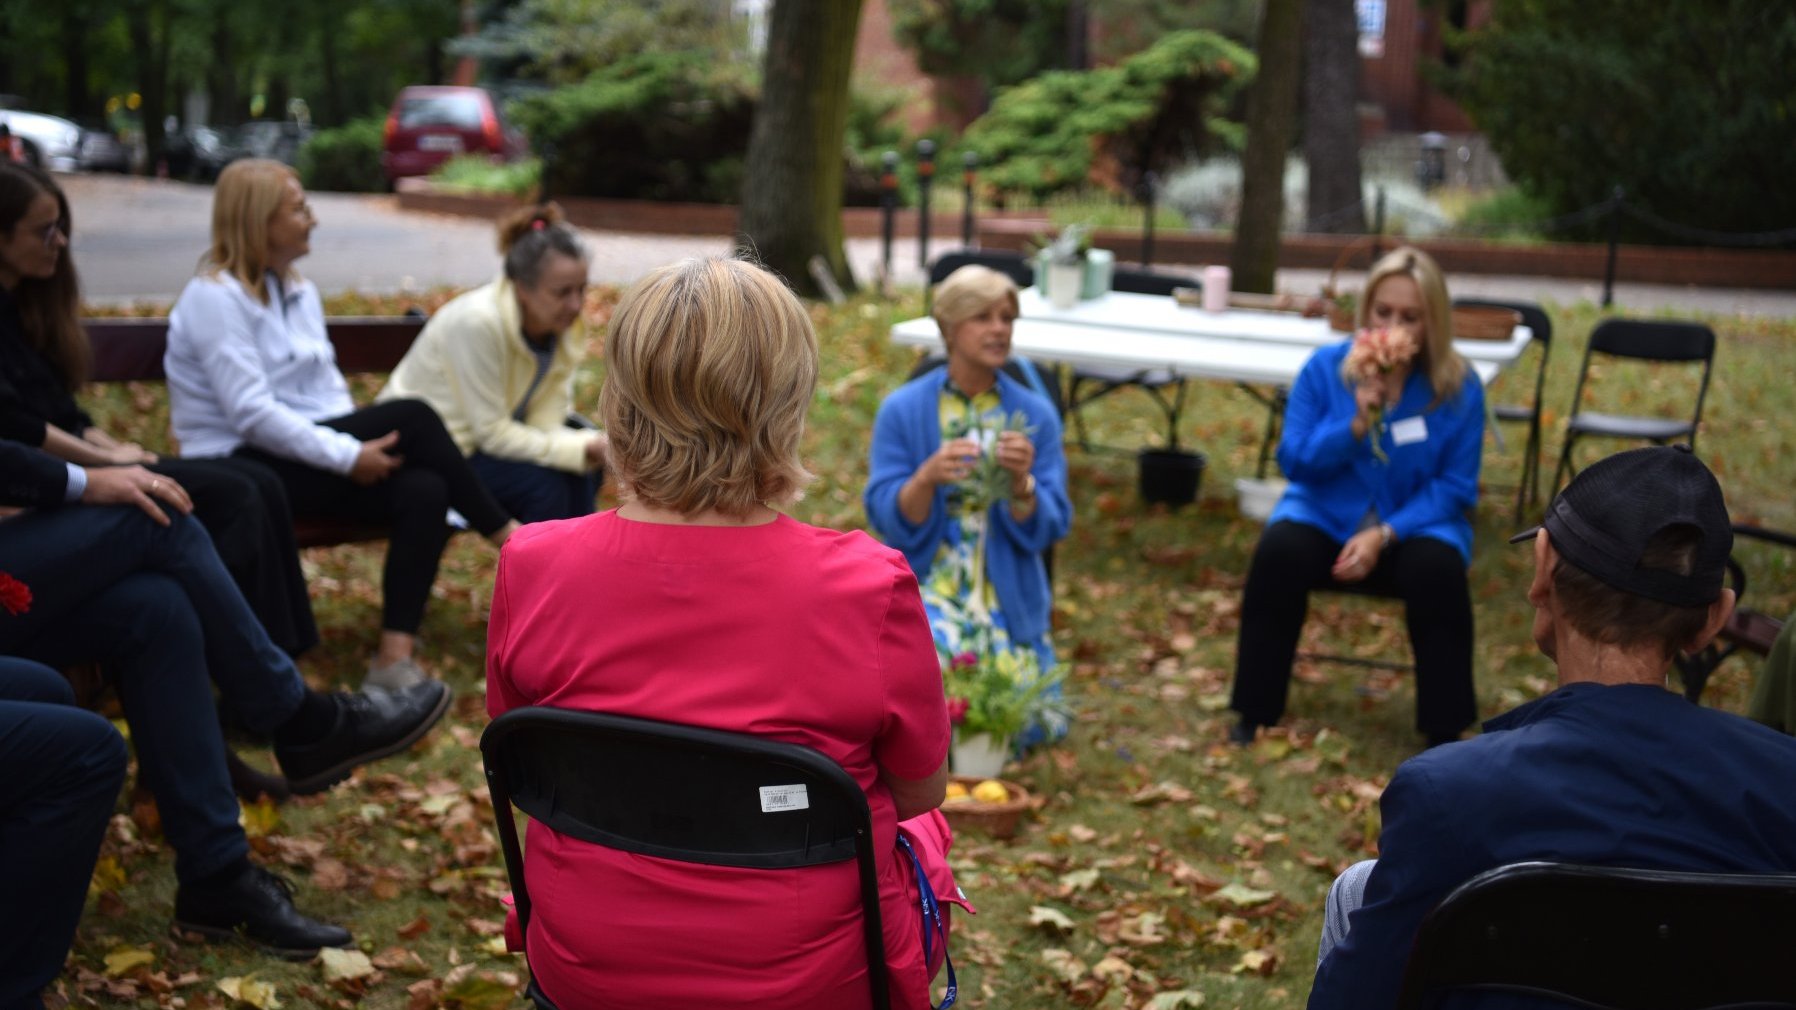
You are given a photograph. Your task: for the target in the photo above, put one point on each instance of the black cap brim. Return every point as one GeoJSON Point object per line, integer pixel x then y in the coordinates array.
{"type": "Point", "coordinates": [1527, 534]}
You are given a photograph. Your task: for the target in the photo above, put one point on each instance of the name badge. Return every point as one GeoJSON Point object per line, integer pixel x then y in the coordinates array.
{"type": "Point", "coordinates": [1409, 430]}
{"type": "Point", "coordinates": [776, 799]}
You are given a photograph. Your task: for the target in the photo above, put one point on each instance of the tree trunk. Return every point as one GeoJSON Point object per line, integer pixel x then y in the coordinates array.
{"type": "Point", "coordinates": [1331, 118]}
{"type": "Point", "coordinates": [1271, 109]}
{"type": "Point", "coordinates": [74, 59]}
{"type": "Point", "coordinates": [792, 196]}
{"type": "Point", "coordinates": [335, 108]}
{"type": "Point", "coordinates": [148, 24]}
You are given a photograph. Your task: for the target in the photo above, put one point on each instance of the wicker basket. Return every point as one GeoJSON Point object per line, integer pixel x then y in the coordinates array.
{"type": "Point", "coordinates": [995, 820]}
{"type": "Point", "coordinates": [1340, 318]}
{"type": "Point", "coordinates": [1484, 323]}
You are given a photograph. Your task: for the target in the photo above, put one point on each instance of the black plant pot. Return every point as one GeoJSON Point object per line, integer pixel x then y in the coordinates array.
{"type": "Point", "coordinates": [1170, 476]}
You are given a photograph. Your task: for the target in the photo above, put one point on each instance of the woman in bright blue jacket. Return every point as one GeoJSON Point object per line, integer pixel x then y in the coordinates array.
{"type": "Point", "coordinates": [965, 454]}
{"type": "Point", "coordinates": [1384, 475]}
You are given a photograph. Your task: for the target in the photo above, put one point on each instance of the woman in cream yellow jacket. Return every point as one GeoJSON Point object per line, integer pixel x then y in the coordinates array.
{"type": "Point", "coordinates": [497, 363]}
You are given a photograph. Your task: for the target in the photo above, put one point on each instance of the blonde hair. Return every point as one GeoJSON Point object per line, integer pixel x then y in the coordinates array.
{"type": "Point", "coordinates": [246, 197]}
{"type": "Point", "coordinates": [1440, 362]}
{"type": "Point", "coordinates": [710, 368]}
{"type": "Point", "coordinates": [967, 292]}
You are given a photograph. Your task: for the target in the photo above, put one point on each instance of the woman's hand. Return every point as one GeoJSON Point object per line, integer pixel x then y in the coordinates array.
{"type": "Point", "coordinates": [1367, 397]}
{"type": "Point", "coordinates": [126, 453]}
{"type": "Point", "coordinates": [376, 461]}
{"type": "Point", "coordinates": [953, 462]}
{"type": "Point", "coordinates": [133, 485]}
{"type": "Point", "coordinates": [1016, 454]}
{"type": "Point", "coordinates": [1359, 555]}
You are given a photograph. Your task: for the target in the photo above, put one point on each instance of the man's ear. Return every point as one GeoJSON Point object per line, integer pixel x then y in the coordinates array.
{"type": "Point", "coordinates": [1540, 588]}
{"type": "Point", "coordinates": [1719, 612]}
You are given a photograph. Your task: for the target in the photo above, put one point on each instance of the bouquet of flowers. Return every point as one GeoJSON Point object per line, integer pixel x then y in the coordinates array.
{"type": "Point", "coordinates": [1375, 353]}
{"type": "Point", "coordinates": [996, 689]}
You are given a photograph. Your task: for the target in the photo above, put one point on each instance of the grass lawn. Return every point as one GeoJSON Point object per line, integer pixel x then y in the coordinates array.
{"type": "Point", "coordinates": [1175, 862]}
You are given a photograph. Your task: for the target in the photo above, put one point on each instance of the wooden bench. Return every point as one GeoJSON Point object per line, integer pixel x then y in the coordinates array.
{"type": "Point", "coordinates": [130, 350]}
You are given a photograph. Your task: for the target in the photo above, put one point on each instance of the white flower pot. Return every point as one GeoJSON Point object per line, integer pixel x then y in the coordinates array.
{"type": "Point", "coordinates": [979, 754]}
{"type": "Point", "coordinates": [1064, 283]}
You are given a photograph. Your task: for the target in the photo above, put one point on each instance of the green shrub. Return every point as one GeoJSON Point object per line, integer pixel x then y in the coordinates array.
{"type": "Point", "coordinates": [657, 126]}
{"type": "Point", "coordinates": [1069, 129]}
{"type": "Point", "coordinates": [479, 174]}
{"type": "Point", "coordinates": [1509, 213]}
{"type": "Point", "coordinates": [345, 158]}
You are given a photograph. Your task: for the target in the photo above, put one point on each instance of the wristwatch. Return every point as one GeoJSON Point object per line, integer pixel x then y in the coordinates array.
{"type": "Point", "coordinates": [1386, 536]}
{"type": "Point", "coordinates": [1028, 490]}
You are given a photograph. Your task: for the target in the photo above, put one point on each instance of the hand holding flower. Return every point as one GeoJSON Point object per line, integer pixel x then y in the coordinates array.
{"type": "Point", "coordinates": [1376, 366]}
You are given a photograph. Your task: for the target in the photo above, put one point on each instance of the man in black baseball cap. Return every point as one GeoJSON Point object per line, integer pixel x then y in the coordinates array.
{"type": "Point", "coordinates": [1610, 768]}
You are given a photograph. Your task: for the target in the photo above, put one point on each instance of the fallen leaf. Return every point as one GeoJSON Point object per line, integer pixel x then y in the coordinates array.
{"type": "Point", "coordinates": [1178, 999]}
{"type": "Point", "coordinates": [1256, 962]}
{"type": "Point", "coordinates": [342, 964]}
{"type": "Point", "coordinates": [1113, 969]}
{"type": "Point", "coordinates": [1242, 896]}
{"type": "Point", "coordinates": [1052, 918]}
{"type": "Point", "coordinates": [330, 875]}
{"type": "Point", "coordinates": [481, 992]}
{"type": "Point", "coordinates": [415, 928]}
{"type": "Point", "coordinates": [122, 959]}
{"type": "Point", "coordinates": [1063, 964]}
{"type": "Point", "coordinates": [1078, 880]}
{"type": "Point", "coordinates": [247, 989]}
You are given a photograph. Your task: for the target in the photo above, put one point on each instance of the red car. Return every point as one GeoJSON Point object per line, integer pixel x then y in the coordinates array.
{"type": "Point", "coordinates": [431, 124]}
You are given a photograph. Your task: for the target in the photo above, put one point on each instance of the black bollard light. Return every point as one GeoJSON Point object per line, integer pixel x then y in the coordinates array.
{"type": "Point", "coordinates": [1615, 202]}
{"type": "Point", "coordinates": [969, 168]}
{"type": "Point", "coordinates": [925, 176]}
{"type": "Point", "coordinates": [888, 208]}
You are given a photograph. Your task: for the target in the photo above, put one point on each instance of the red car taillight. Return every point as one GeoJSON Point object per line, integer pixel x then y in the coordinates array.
{"type": "Point", "coordinates": [489, 127]}
{"type": "Point", "coordinates": [386, 139]}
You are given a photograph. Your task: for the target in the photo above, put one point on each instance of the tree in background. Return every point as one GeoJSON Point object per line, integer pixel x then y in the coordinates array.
{"type": "Point", "coordinates": [562, 42]}
{"type": "Point", "coordinates": [1691, 109]}
{"type": "Point", "coordinates": [1067, 130]}
{"type": "Point", "coordinates": [1271, 115]}
{"type": "Point", "coordinates": [1334, 202]}
{"type": "Point", "coordinates": [792, 194]}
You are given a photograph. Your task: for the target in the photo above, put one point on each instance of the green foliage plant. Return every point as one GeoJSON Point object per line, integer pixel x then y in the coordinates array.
{"type": "Point", "coordinates": [1690, 110]}
{"type": "Point", "coordinates": [1066, 130]}
{"type": "Point", "coordinates": [654, 126]}
{"type": "Point", "coordinates": [346, 158]}
{"type": "Point", "coordinates": [562, 42]}
{"type": "Point", "coordinates": [474, 173]}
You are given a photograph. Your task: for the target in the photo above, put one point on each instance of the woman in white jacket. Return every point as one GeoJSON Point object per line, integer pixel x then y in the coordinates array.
{"type": "Point", "coordinates": [251, 372]}
{"type": "Point", "coordinates": [497, 364]}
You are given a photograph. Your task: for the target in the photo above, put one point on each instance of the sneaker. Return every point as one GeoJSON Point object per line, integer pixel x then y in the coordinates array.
{"type": "Point", "coordinates": [257, 907]}
{"type": "Point", "coordinates": [395, 676]}
{"type": "Point", "coordinates": [369, 725]}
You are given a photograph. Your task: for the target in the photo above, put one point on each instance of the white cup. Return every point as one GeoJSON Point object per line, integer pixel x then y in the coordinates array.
{"type": "Point", "coordinates": [1216, 289]}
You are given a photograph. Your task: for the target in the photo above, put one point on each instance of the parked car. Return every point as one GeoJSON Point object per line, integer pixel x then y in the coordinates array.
{"type": "Point", "coordinates": [50, 142]}
{"type": "Point", "coordinates": [279, 139]}
{"type": "Point", "coordinates": [428, 125]}
{"type": "Point", "coordinates": [199, 152]}
{"type": "Point", "coordinates": [101, 150]}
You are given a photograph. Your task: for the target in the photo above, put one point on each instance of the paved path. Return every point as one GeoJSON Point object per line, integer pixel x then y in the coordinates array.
{"type": "Point", "coordinates": [139, 240]}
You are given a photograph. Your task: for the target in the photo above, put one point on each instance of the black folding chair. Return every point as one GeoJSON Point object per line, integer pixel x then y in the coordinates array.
{"type": "Point", "coordinates": [1639, 340]}
{"type": "Point", "coordinates": [1610, 939]}
{"type": "Point", "coordinates": [1087, 383]}
{"type": "Point", "coordinates": [679, 792]}
{"type": "Point", "coordinates": [1527, 492]}
{"type": "Point", "coordinates": [1747, 629]}
{"type": "Point", "coordinates": [1014, 265]}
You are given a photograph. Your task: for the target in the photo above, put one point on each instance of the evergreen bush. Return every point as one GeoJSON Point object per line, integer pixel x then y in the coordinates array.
{"type": "Point", "coordinates": [345, 159]}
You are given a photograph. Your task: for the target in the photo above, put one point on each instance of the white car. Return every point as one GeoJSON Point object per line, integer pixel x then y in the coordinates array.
{"type": "Point", "coordinates": [50, 141]}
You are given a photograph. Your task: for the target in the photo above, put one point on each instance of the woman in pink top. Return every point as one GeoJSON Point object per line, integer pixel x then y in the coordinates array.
{"type": "Point", "coordinates": [696, 602]}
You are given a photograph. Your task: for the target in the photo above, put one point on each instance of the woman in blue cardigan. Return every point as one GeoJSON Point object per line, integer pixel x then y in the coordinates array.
{"type": "Point", "coordinates": [1384, 475]}
{"type": "Point", "coordinates": [965, 454]}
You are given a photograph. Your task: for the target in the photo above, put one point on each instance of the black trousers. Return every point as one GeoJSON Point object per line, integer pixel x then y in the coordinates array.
{"type": "Point", "coordinates": [413, 501]}
{"type": "Point", "coordinates": [243, 505]}
{"type": "Point", "coordinates": [1430, 577]}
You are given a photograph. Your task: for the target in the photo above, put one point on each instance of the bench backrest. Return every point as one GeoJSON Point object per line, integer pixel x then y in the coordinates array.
{"type": "Point", "coordinates": [127, 350]}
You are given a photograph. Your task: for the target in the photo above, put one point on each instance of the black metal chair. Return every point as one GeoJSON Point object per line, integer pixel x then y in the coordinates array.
{"type": "Point", "coordinates": [1527, 492]}
{"type": "Point", "coordinates": [1014, 265]}
{"type": "Point", "coordinates": [1087, 383]}
{"type": "Point", "coordinates": [1748, 630]}
{"type": "Point", "coordinates": [1639, 340]}
{"type": "Point", "coordinates": [679, 792]}
{"type": "Point", "coordinates": [1610, 939]}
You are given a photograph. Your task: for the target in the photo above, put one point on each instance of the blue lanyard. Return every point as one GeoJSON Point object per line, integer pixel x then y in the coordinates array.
{"type": "Point", "coordinates": [932, 923]}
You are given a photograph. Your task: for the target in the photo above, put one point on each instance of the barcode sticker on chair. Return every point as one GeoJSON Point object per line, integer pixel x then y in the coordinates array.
{"type": "Point", "coordinates": [775, 799]}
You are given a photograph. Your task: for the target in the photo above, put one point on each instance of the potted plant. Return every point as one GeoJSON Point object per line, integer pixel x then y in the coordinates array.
{"type": "Point", "coordinates": [1085, 272]}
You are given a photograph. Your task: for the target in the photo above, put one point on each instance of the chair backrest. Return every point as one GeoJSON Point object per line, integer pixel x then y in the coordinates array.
{"type": "Point", "coordinates": [1607, 937]}
{"type": "Point", "coordinates": [680, 792]}
{"type": "Point", "coordinates": [1147, 282]}
{"type": "Point", "coordinates": [1535, 319]}
{"type": "Point", "coordinates": [1014, 264]}
{"type": "Point", "coordinates": [1651, 340]}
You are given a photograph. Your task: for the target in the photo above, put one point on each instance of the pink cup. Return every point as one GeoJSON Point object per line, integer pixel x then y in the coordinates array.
{"type": "Point", "coordinates": [1216, 289]}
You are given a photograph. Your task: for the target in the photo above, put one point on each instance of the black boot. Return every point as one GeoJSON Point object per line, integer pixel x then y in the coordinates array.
{"type": "Point", "coordinates": [257, 906]}
{"type": "Point", "coordinates": [369, 725]}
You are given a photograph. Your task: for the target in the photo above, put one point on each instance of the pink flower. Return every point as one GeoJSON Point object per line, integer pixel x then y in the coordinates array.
{"type": "Point", "coordinates": [957, 710]}
{"type": "Point", "coordinates": [963, 660]}
{"type": "Point", "coordinates": [1378, 350]}
{"type": "Point", "coordinates": [15, 596]}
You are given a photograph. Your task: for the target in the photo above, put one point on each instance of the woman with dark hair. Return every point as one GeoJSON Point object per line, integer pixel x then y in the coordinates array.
{"type": "Point", "coordinates": [44, 360]}
{"type": "Point", "coordinates": [1384, 475]}
{"type": "Point", "coordinates": [252, 374]}
{"type": "Point", "coordinates": [497, 364]}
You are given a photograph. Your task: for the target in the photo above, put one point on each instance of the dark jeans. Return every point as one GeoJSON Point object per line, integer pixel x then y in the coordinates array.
{"type": "Point", "coordinates": [60, 772]}
{"type": "Point", "coordinates": [243, 505]}
{"type": "Point", "coordinates": [533, 493]}
{"type": "Point", "coordinates": [155, 606]}
{"type": "Point", "coordinates": [412, 502]}
{"type": "Point", "coordinates": [1428, 575]}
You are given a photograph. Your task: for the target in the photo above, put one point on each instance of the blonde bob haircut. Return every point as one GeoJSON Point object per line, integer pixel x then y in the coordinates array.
{"type": "Point", "coordinates": [967, 292]}
{"type": "Point", "coordinates": [244, 200]}
{"type": "Point", "coordinates": [1439, 361]}
{"type": "Point", "coordinates": [710, 367]}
